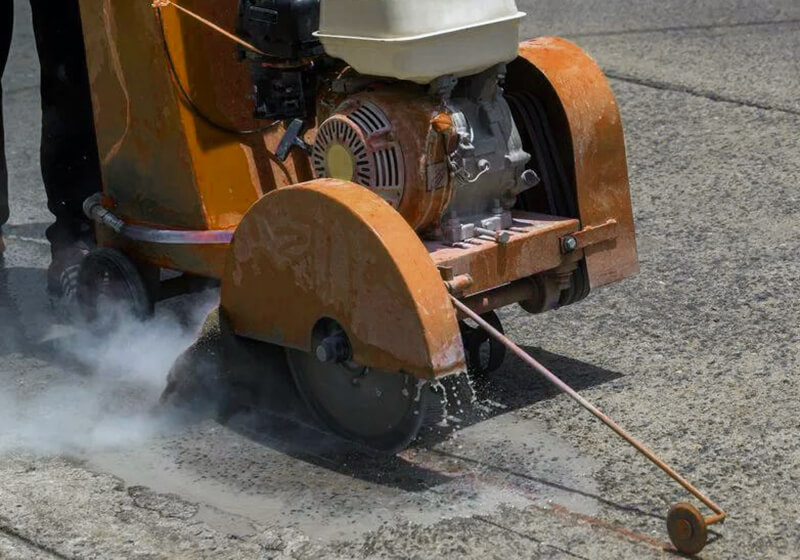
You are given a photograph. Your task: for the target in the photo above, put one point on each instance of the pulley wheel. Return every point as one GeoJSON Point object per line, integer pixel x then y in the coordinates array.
{"type": "Point", "coordinates": [109, 284]}
{"type": "Point", "coordinates": [687, 528]}
{"type": "Point", "coordinates": [379, 409]}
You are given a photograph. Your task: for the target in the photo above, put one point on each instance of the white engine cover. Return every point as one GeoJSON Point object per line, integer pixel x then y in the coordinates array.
{"type": "Point", "coordinates": [420, 40]}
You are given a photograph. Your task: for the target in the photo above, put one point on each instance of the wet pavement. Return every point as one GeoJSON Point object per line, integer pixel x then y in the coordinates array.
{"type": "Point", "coordinates": [697, 356]}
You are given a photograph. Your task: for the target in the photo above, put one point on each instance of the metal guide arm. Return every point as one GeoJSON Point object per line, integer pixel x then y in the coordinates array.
{"type": "Point", "coordinates": [719, 514]}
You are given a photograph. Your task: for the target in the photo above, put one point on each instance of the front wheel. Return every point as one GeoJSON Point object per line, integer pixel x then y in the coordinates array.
{"type": "Point", "coordinates": [110, 285]}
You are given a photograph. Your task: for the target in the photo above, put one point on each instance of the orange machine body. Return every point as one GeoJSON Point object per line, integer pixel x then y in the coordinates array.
{"type": "Point", "coordinates": [307, 250]}
{"type": "Point", "coordinates": [164, 165]}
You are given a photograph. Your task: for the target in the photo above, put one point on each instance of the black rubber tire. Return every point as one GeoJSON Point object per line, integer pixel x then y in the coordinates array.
{"type": "Point", "coordinates": [476, 340]}
{"type": "Point", "coordinates": [108, 277]}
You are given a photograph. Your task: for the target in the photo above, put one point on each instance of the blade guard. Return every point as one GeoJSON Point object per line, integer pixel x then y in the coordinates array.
{"type": "Point", "coordinates": [330, 249]}
{"type": "Point", "coordinates": [585, 118]}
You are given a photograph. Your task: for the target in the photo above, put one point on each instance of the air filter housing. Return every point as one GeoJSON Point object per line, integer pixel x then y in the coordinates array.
{"type": "Point", "coordinates": [420, 40]}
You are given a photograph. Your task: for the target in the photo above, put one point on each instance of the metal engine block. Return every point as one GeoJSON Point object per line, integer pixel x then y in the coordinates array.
{"type": "Point", "coordinates": [488, 165]}
{"type": "Point", "coordinates": [448, 158]}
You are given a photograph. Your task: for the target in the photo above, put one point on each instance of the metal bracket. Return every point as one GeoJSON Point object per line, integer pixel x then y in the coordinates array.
{"type": "Point", "coordinates": [589, 236]}
{"type": "Point", "coordinates": [455, 284]}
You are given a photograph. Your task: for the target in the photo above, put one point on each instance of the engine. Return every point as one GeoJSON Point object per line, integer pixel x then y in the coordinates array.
{"type": "Point", "coordinates": [452, 163]}
{"type": "Point", "coordinates": [438, 143]}
{"type": "Point", "coordinates": [284, 87]}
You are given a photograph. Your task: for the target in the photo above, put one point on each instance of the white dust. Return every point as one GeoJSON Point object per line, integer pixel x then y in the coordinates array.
{"type": "Point", "coordinates": [96, 392]}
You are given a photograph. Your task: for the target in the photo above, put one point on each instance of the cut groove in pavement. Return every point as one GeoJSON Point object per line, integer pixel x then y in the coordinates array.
{"type": "Point", "coordinates": [528, 537]}
{"type": "Point", "coordinates": [545, 482]}
{"type": "Point", "coordinates": [706, 94]}
{"type": "Point", "coordinates": [29, 544]}
{"type": "Point", "coordinates": [703, 27]}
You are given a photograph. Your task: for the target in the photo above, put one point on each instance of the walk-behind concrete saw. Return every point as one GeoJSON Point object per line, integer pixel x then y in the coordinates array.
{"type": "Point", "coordinates": [366, 181]}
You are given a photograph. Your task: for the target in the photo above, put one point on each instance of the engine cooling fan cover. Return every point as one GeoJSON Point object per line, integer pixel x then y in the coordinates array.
{"type": "Point", "coordinates": [359, 147]}
{"type": "Point", "coordinates": [384, 141]}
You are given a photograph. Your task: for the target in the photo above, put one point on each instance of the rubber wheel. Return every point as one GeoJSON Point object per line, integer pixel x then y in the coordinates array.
{"type": "Point", "coordinates": [484, 354]}
{"type": "Point", "coordinates": [110, 285]}
{"type": "Point", "coordinates": [687, 528]}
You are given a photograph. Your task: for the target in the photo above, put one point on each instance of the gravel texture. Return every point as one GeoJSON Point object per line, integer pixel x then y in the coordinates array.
{"type": "Point", "coordinates": [696, 355]}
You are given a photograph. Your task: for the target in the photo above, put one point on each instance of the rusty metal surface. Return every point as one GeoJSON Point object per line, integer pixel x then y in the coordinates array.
{"type": "Point", "coordinates": [457, 284]}
{"type": "Point", "coordinates": [535, 247]}
{"type": "Point", "coordinates": [521, 290]}
{"type": "Point", "coordinates": [587, 123]}
{"type": "Point", "coordinates": [591, 236]}
{"type": "Point", "coordinates": [136, 113]}
{"type": "Point", "coordinates": [421, 140]}
{"type": "Point", "coordinates": [687, 528]}
{"type": "Point", "coordinates": [162, 163]}
{"type": "Point", "coordinates": [333, 249]}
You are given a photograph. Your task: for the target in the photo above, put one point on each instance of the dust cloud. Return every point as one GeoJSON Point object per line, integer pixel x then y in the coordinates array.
{"type": "Point", "coordinates": [99, 390]}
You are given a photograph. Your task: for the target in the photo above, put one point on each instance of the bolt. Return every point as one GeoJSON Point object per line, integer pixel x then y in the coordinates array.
{"type": "Point", "coordinates": [497, 208]}
{"type": "Point", "coordinates": [325, 353]}
{"type": "Point", "coordinates": [500, 236]}
{"type": "Point", "coordinates": [530, 178]}
{"type": "Point", "coordinates": [569, 244]}
{"type": "Point", "coordinates": [333, 349]}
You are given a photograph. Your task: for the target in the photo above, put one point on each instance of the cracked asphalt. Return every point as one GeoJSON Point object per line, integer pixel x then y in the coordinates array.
{"type": "Point", "coordinates": [696, 355]}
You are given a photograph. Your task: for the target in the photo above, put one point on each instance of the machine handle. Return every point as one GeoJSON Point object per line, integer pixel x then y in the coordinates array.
{"type": "Point", "coordinates": [291, 139]}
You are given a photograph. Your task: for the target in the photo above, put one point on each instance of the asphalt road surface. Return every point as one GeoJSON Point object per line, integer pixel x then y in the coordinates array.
{"type": "Point", "coordinates": [697, 355]}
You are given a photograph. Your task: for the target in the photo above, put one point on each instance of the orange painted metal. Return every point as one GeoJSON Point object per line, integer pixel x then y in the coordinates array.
{"type": "Point", "coordinates": [521, 290]}
{"type": "Point", "coordinates": [584, 113]}
{"type": "Point", "coordinates": [327, 248]}
{"type": "Point", "coordinates": [420, 130]}
{"type": "Point", "coordinates": [596, 235]}
{"type": "Point", "coordinates": [163, 164]}
{"type": "Point", "coordinates": [333, 249]}
{"type": "Point", "coordinates": [535, 247]}
{"type": "Point", "coordinates": [207, 261]}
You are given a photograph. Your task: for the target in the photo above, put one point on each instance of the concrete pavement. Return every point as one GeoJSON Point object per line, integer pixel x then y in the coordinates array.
{"type": "Point", "coordinates": [697, 356]}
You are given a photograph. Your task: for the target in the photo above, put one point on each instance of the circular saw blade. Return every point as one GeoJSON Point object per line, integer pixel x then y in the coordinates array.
{"type": "Point", "coordinates": [379, 409]}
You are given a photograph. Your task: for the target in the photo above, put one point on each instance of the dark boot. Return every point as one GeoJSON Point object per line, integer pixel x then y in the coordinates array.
{"type": "Point", "coordinates": [70, 164]}
{"type": "Point", "coordinates": [6, 28]}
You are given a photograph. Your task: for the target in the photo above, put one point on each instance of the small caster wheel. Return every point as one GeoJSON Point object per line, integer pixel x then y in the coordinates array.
{"type": "Point", "coordinates": [109, 284]}
{"type": "Point", "coordinates": [687, 528]}
{"type": "Point", "coordinates": [484, 354]}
